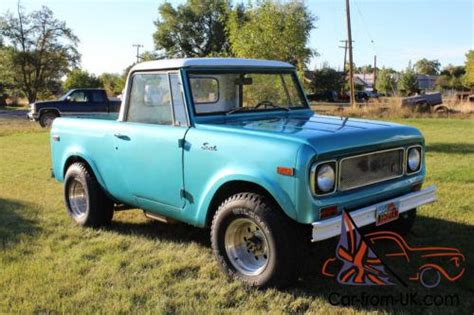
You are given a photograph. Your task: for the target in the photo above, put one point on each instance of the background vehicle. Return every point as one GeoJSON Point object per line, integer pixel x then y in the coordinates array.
{"type": "Point", "coordinates": [429, 102]}
{"type": "Point", "coordinates": [232, 144]}
{"type": "Point", "coordinates": [75, 103]}
{"type": "Point", "coordinates": [327, 96]}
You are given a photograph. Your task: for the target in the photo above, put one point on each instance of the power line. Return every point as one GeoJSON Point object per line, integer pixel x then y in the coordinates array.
{"type": "Point", "coordinates": [369, 35]}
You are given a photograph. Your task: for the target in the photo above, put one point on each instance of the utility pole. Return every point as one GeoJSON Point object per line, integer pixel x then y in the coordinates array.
{"type": "Point", "coordinates": [345, 54]}
{"type": "Point", "coordinates": [138, 51]}
{"type": "Point", "coordinates": [351, 60]}
{"type": "Point", "coordinates": [375, 74]}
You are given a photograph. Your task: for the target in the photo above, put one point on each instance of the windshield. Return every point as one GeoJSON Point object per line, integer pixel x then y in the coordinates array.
{"type": "Point", "coordinates": [229, 92]}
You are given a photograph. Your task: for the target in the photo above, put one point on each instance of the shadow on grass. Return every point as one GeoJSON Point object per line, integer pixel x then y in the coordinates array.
{"type": "Point", "coordinates": [179, 232]}
{"type": "Point", "coordinates": [13, 223]}
{"type": "Point", "coordinates": [456, 148]}
{"type": "Point", "coordinates": [426, 232]}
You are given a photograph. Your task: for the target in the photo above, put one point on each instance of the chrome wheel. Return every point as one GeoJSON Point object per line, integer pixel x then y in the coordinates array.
{"type": "Point", "coordinates": [77, 199]}
{"type": "Point", "coordinates": [247, 247]}
{"type": "Point", "coordinates": [48, 121]}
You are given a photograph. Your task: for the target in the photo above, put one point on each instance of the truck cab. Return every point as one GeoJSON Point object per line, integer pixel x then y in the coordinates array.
{"type": "Point", "coordinates": [75, 103]}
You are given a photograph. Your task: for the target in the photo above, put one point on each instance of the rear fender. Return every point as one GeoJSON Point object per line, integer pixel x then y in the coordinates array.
{"type": "Point", "coordinates": [79, 153]}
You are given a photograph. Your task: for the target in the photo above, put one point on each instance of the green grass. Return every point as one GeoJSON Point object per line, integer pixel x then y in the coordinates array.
{"type": "Point", "coordinates": [49, 264]}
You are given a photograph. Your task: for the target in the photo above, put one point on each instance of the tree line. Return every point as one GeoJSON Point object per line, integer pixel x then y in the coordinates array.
{"type": "Point", "coordinates": [37, 51]}
{"type": "Point", "coordinates": [405, 82]}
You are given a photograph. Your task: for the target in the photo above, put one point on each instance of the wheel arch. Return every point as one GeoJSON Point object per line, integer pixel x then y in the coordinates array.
{"type": "Point", "coordinates": [43, 111]}
{"type": "Point", "coordinates": [234, 186]}
{"type": "Point", "coordinates": [90, 166]}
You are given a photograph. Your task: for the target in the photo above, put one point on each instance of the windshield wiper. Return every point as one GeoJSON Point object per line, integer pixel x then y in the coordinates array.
{"type": "Point", "coordinates": [268, 103]}
{"type": "Point", "coordinates": [244, 109]}
{"type": "Point", "coordinates": [238, 109]}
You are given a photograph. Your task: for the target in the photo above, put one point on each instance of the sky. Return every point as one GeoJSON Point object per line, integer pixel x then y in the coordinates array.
{"type": "Point", "coordinates": [397, 31]}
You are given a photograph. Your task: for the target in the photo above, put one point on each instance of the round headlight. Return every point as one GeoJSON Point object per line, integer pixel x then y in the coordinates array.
{"type": "Point", "coordinates": [414, 159]}
{"type": "Point", "coordinates": [325, 178]}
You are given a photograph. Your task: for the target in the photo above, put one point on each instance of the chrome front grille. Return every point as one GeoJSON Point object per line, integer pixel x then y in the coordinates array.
{"type": "Point", "coordinates": [370, 168]}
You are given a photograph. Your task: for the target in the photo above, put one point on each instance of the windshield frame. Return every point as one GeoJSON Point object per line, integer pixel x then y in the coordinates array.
{"type": "Point", "coordinates": [211, 71]}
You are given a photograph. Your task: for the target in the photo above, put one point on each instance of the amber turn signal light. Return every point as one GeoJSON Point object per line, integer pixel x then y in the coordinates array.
{"type": "Point", "coordinates": [416, 187]}
{"type": "Point", "coordinates": [287, 171]}
{"type": "Point", "coordinates": [328, 212]}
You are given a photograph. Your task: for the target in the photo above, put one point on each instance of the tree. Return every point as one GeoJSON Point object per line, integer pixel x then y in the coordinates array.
{"type": "Point", "coordinates": [365, 69]}
{"type": "Point", "coordinates": [386, 82]}
{"type": "Point", "coordinates": [427, 67]}
{"type": "Point", "coordinates": [451, 77]}
{"type": "Point", "coordinates": [78, 78]}
{"type": "Point", "coordinates": [468, 78]}
{"type": "Point", "coordinates": [194, 29]}
{"type": "Point", "coordinates": [113, 83]}
{"type": "Point", "coordinates": [272, 30]}
{"type": "Point", "coordinates": [326, 79]}
{"type": "Point", "coordinates": [43, 49]}
{"type": "Point", "coordinates": [408, 82]}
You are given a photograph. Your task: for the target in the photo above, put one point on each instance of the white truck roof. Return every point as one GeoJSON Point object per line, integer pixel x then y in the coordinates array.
{"type": "Point", "coordinates": [209, 62]}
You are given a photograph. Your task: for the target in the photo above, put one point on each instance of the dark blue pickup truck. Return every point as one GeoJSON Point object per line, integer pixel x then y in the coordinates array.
{"type": "Point", "coordinates": [75, 103]}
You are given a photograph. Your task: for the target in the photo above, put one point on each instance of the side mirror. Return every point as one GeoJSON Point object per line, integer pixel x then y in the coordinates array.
{"type": "Point", "coordinates": [68, 99]}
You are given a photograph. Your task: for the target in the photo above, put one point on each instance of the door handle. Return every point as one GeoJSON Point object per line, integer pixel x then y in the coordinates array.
{"type": "Point", "coordinates": [121, 136]}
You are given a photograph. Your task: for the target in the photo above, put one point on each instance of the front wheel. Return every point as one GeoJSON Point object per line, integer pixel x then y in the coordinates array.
{"type": "Point", "coordinates": [46, 119]}
{"type": "Point", "coordinates": [85, 200]}
{"type": "Point", "coordinates": [254, 241]}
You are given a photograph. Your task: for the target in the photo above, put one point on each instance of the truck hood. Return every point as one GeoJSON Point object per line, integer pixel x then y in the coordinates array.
{"type": "Point", "coordinates": [326, 134]}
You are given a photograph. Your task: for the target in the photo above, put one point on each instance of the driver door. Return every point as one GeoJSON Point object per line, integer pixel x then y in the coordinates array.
{"type": "Point", "coordinates": [147, 148]}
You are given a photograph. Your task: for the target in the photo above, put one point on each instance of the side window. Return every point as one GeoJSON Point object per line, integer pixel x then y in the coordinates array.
{"type": "Point", "coordinates": [178, 101]}
{"type": "Point", "coordinates": [150, 100]}
{"type": "Point", "coordinates": [79, 96]}
{"type": "Point", "coordinates": [98, 97]}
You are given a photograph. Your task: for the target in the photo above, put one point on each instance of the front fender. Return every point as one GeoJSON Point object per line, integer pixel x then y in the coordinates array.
{"type": "Point", "coordinates": [252, 176]}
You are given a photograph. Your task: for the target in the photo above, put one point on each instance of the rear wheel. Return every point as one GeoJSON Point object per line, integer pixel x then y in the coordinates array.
{"type": "Point", "coordinates": [46, 119]}
{"type": "Point", "coordinates": [254, 241]}
{"type": "Point", "coordinates": [85, 200]}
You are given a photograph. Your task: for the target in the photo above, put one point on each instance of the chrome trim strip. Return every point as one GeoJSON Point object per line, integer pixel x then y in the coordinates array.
{"type": "Point", "coordinates": [312, 178]}
{"type": "Point", "coordinates": [328, 228]}
{"type": "Point", "coordinates": [421, 159]}
{"type": "Point", "coordinates": [370, 153]}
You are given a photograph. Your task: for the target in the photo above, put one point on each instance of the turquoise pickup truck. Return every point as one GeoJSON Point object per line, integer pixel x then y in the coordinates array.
{"type": "Point", "coordinates": [232, 145]}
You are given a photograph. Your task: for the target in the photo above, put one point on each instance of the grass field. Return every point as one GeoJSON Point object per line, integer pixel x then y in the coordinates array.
{"type": "Point", "coordinates": [47, 264]}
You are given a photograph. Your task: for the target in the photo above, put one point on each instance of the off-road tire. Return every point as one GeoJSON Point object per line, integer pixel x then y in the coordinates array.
{"type": "Point", "coordinates": [283, 241]}
{"type": "Point", "coordinates": [46, 119]}
{"type": "Point", "coordinates": [98, 210]}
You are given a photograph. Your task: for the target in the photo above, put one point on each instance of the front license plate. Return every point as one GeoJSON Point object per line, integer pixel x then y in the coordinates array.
{"type": "Point", "coordinates": [386, 213]}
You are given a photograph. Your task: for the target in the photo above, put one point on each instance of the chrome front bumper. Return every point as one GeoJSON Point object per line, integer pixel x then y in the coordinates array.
{"type": "Point", "coordinates": [332, 227]}
{"type": "Point", "coordinates": [32, 116]}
